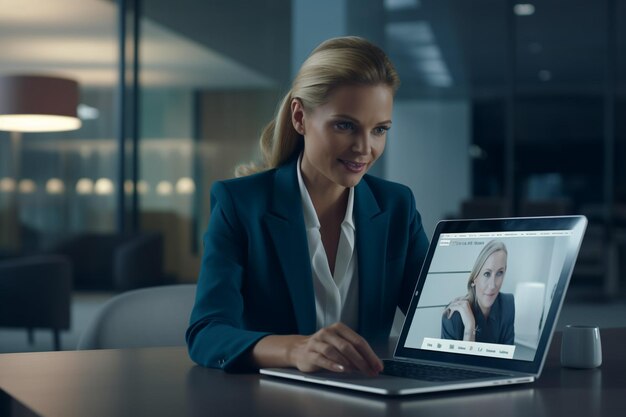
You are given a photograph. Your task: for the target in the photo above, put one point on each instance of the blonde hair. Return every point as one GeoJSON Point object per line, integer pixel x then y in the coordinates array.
{"type": "Point", "coordinates": [489, 249]}
{"type": "Point", "coordinates": [336, 62]}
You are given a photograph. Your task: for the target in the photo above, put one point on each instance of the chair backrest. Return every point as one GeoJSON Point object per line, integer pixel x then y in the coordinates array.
{"type": "Point", "coordinates": [147, 317]}
{"type": "Point", "coordinates": [35, 291]}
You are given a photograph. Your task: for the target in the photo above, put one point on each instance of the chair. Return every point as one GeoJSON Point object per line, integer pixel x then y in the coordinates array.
{"type": "Point", "coordinates": [114, 262]}
{"type": "Point", "coordinates": [148, 317]}
{"type": "Point", "coordinates": [35, 291]}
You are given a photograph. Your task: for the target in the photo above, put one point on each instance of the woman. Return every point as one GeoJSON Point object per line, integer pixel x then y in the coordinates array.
{"type": "Point", "coordinates": [307, 259]}
{"type": "Point", "coordinates": [484, 314]}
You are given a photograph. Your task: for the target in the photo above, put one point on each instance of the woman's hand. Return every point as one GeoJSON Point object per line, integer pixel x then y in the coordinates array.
{"type": "Point", "coordinates": [462, 305]}
{"type": "Point", "coordinates": [335, 348]}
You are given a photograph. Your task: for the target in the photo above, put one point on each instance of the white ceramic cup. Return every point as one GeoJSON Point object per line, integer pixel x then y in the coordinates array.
{"type": "Point", "coordinates": [581, 347]}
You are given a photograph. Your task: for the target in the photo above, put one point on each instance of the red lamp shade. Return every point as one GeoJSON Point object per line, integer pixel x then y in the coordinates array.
{"type": "Point", "coordinates": [38, 104]}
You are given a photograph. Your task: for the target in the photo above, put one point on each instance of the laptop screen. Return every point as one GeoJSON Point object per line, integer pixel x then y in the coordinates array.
{"type": "Point", "coordinates": [488, 290]}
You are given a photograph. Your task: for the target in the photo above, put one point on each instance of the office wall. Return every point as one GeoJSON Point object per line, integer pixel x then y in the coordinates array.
{"type": "Point", "coordinates": [427, 150]}
{"type": "Point", "coordinates": [307, 32]}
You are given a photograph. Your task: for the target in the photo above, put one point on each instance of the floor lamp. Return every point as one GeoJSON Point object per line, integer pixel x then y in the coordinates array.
{"type": "Point", "coordinates": [33, 103]}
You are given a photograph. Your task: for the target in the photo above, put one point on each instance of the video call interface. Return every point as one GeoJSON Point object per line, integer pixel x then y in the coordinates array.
{"type": "Point", "coordinates": [489, 294]}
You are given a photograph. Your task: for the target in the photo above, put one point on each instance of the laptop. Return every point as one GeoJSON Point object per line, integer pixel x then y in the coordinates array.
{"type": "Point", "coordinates": [512, 272]}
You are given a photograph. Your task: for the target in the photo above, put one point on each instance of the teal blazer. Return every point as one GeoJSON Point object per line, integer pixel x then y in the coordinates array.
{"type": "Point", "coordinates": [256, 278]}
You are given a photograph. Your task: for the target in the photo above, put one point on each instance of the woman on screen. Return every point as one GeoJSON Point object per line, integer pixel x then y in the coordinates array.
{"type": "Point", "coordinates": [484, 314]}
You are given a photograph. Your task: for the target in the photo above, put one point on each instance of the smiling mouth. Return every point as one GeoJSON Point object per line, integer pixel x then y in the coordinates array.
{"type": "Point", "coordinates": [354, 166]}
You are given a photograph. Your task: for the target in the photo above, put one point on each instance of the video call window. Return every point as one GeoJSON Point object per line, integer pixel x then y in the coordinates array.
{"type": "Point", "coordinates": [501, 282]}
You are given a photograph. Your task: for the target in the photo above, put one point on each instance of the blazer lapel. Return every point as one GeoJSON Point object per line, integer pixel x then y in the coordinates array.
{"type": "Point", "coordinates": [371, 243]}
{"type": "Point", "coordinates": [285, 224]}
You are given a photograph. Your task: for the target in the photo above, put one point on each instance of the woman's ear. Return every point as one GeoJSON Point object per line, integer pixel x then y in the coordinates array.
{"type": "Point", "coordinates": [297, 115]}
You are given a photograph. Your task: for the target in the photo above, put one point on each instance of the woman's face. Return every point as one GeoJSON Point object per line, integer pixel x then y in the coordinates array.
{"type": "Point", "coordinates": [344, 137]}
{"type": "Point", "coordinates": [489, 280]}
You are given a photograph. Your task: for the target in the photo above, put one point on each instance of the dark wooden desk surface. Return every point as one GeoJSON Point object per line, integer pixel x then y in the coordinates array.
{"type": "Point", "coordinates": [164, 382]}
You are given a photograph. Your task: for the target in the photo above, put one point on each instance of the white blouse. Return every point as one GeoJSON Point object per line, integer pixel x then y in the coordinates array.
{"type": "Point", "coordinates": [336, 296]}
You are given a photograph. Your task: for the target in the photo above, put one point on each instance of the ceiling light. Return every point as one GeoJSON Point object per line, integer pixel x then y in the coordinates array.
{"type": "Point", "coordinates": [143, 187]}
{"type": "Point", "coordinates": [164, 188]}
{"type": "Point", "coordinates": [26, 186]}
{"type": "Point", "coordinates": [524, 9]}
{"type": "Point", "coordinates": [185, 185]}
{"type": "Point", "coordinates": [84, 186]}
{"type": "Point", "coordinates": [439, 80]}
{"type": "Point", "coordinates": [425, 52]}
{"type": "Point", "coordinates": [435, 72]}
{"type": "Point", "coordinates": [410, 32]}
{"type": "Point", "coordinates": [433, 66]}
{"type": "Point", "coordinates": [7, 185]}
{"type": "Point", "coordinates": [401, 4]}
{"type": "Point", "coordinates": [128, 186]}
{"type": "Point", "coordinates": [38, 104]}
{"type": "Point", "coordinates": [104, 186]}
{"type": "Point", "coordinates": [86, 112]}
{"type": "Point", "coordinates": [55, 186]}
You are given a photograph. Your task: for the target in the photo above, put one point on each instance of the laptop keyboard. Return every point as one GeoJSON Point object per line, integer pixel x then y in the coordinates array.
{"type": "Point", "coordinates": [430, 372]}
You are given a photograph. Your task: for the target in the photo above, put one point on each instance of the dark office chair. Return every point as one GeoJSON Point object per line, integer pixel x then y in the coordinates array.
{"type": "Point", "coordinates": [114, 262]}
{"type": "Point", "coordinates": [35, 292]}
{"type": "Point", "coordinates": [148, 317]}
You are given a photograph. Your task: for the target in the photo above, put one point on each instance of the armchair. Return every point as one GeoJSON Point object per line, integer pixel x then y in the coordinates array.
{"type": "Point", "coordinates": [35, 292]}
{"type": "Point", "coordinates": [115, 262]}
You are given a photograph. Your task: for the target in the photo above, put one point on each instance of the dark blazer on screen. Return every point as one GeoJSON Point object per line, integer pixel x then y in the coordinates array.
{"type": "Point", "coordinates": [256, 278]}
{"type": "Point", "coordinates": [497, 328]}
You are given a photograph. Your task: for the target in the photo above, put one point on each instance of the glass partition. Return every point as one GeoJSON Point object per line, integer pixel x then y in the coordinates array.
{"type": "Point", "coordinates": [505, 108]}
{"type": "Point", "coordinates": [55, 185]}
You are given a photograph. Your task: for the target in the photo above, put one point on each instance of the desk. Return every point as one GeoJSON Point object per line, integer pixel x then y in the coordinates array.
{"type": "Point", "coordinates": [164, 382]}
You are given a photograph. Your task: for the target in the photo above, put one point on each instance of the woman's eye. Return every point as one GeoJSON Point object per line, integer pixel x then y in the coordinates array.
{"type": "Point", "coordinates": [344, 125]}
{"type": "Point", "coordinates": [381, 130]}
{"type": "Point", "coordinates": [487, 274]}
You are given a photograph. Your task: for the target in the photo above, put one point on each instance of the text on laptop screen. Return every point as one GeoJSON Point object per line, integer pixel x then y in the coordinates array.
{"type": "Point", "coordinates": [488, 294]}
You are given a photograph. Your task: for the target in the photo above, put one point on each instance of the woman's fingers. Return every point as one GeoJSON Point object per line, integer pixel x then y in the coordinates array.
{"type": "Point", "coordinates": [363, 348]}
{"type": "Point", "coordinates": [325, 351]}
{"type": "Point", "coordinates": [464, 309]}
{"type": "Point", "coordinates": [338, 348]}
{"type": "Point", "coordinates": [349, 352]}
{"type": "Point", "coordinates": [354, 348]}
{"type": "Point", "coordinates": [322, 361]}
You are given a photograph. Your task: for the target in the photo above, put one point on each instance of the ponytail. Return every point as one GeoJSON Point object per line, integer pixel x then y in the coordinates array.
{"type": "Point", "coordinates": [341, 61]}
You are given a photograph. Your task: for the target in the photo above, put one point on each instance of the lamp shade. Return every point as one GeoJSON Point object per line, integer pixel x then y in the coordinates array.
{"type": "Point", "coordinates": [30, 103]}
